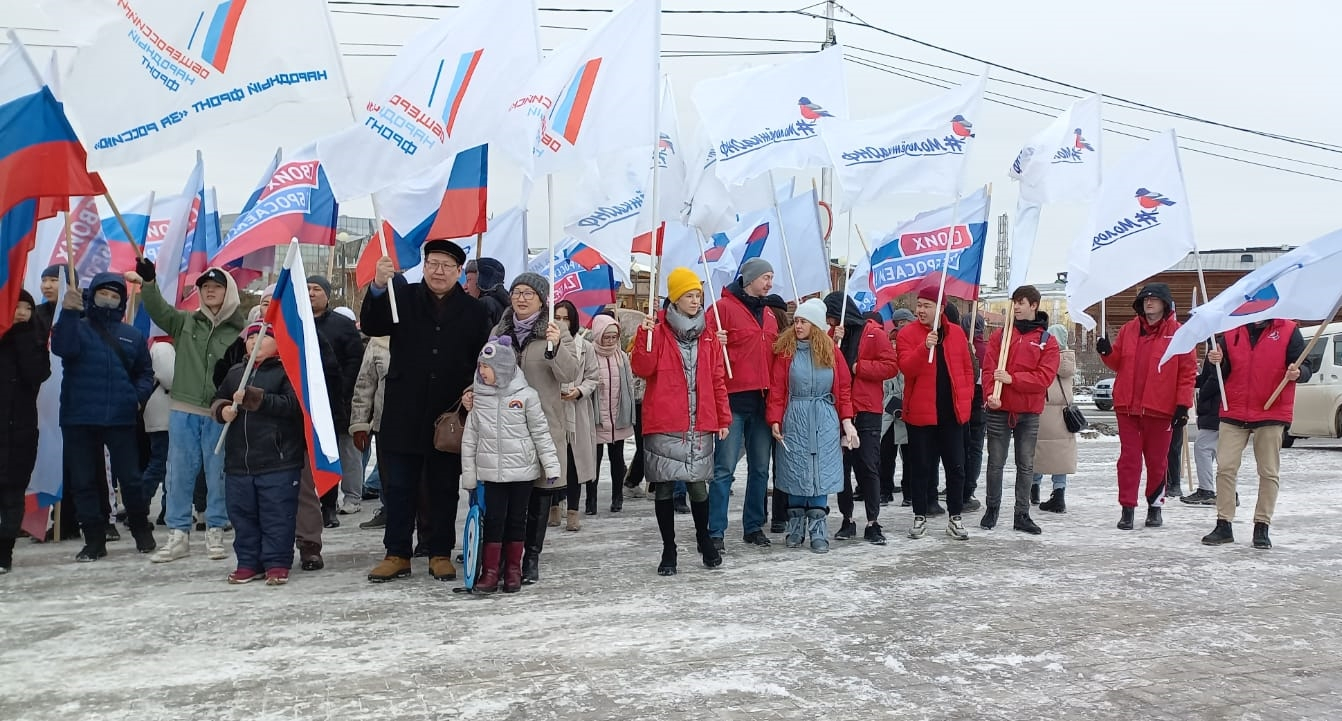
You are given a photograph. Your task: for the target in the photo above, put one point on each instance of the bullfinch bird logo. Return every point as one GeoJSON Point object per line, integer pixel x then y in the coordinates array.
{"type": "Point", "coordinates": [664, 143]}
{"type": "Point", "coordinates": [1080, 143]}
{"type": "Point", "coordinates": [810, 110]}
{"type": "Point", "coordinates": [1151, 200]}
{"type": "Point", "coordinates": [962, 127]}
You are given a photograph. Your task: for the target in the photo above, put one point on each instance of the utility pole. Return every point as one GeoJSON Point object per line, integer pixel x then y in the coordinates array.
{"type": "Point", "coordinates": [827, 174]}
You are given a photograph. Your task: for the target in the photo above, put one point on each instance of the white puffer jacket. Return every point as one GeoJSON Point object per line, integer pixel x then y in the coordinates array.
{"type": "Point", "coordinates": [507, 438]}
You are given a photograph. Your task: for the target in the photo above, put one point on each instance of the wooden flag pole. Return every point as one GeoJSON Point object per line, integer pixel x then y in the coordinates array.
{"type": "Point", "coordinates": [782, 237]}
{"type": "Point", "coordinates": [139, 251]}
{"type": "Point", "coordinates": [945, 261]}
{"type": "Point", "coordinates": [70, 254]}
{"type": "Point", "coordinates": [242, 383]}
{"type": "Point", "coordinates": [708, 274]}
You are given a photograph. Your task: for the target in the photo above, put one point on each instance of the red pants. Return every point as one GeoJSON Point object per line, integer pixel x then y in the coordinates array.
{"type": "Point", "coordinates": [1142, 438]}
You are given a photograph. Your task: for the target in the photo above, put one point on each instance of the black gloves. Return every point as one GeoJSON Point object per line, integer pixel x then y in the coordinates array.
{"type": "Point", "coordinates": [145, 267]}
{"type": "Point", "coordinates": [1103, 347]}
{"type": "Point", "coordinates": [1180, 417]}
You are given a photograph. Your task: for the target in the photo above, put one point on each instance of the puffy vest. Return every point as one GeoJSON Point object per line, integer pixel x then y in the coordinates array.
{"type": "Point", "coordinates": [1255, 371]}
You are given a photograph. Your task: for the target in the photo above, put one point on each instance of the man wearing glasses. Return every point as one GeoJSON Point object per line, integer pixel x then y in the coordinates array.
{"type": "Point", "coordinates": [433, 354]}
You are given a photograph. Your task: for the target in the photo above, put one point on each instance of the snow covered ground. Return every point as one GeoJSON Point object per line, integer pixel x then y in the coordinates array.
{"type": "Point", "coordinates": [1083, 622]}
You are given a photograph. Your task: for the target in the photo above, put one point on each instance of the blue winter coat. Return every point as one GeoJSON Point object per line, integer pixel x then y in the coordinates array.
{"type": "Point", "coordinates": [812, 463]}
{"type": "Point", "coordinates": [96, 390]}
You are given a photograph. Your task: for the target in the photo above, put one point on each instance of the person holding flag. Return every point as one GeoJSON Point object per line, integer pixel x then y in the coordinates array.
{"type": "Point", "coordinates": [24, 365]}
{"type": "Point", "coordinates": [1150, 404]}
{"type": "Point", "coordinates": [1253, 358]}
{"type": "Point", "coordinates": [433, 360]}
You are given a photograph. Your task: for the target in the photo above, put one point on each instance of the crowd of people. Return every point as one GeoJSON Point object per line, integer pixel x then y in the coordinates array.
{"type": "Point", "coordinates": [825, 402]}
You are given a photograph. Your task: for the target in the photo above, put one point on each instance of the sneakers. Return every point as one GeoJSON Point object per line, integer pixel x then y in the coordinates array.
{"type": "Point", "coordinates": [1125, 520]}
{"type": "Point", "coordinates": [972, 504]}
{"type": "Point", "coordinates": [214, 544]}
{"type": "Point", "coordinates": [1023, 522]}
{"type": "Point", "coordinates": [847, 530]}
{"type": "Point", "coordinates": [243, 575]}
{"type": "Point", "coordinates": [919, 527]}
{"type": "Point", "coordinates": [1056, 503]}
{"type": "Point", "coordinates": [379, 520]}
{"type": "Point", "coordinates": [1153, 519]}
{"type": "Point", "coordinates": [873, 535]}
{"type": "Point", "coordinates": [1221, 534]}
{"type": "Point", "coordinates": [391, 568]}
{"type": "Point", "coordinates": [277, 576]}
{"type": "Point", "coordinates": [905, 502]}
{"type": "Point", "coordinates": [757, 538]}
{"type": "Point", "coordinates": [989, 520]}
{"type": "Point", "coordinates": [370, 494]}
{"type": "Point", "coordinates": [1200, 497]}
{"type": "Point", "coordinates": [887, 499]}
{"type": "Point", "coordinates": [178, 546]}
{"type": "Point", "coordinates": [817, 525]}
{"type": "Point", "coordinates": [351, 508]}
{"type": "Point", "coordinates": [955, 528]}
{"type": "Point", "coordinates": [1260, 538]}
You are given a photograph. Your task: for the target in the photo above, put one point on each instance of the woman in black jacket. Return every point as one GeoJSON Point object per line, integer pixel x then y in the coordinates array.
{"type": "Point", "coordinates": [24, 364]}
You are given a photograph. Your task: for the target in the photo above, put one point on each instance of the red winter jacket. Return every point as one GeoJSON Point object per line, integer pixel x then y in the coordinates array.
{"type": "Point", "coordinates": [1032, 361]}
{"type": "Point", "coordinates": [749, 345]}
{"type": "Point", "coordinates": [666, 404]}
{"type": "Point", "coordinates": [1141, 386]}
{"type": "Point", "coordinates": [1253, 372]}
{"type": "Point", "coordinates": [920, 375]}
{"type": "Point", "coordinates": [876, 364]}
{"type": "Point", "coordinates": [776, 405]}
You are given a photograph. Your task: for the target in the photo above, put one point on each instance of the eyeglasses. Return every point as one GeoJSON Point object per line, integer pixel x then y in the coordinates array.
{"type": "Point", "coordinates": [437, 266]}
{"type": "Point", "coordinates": [524, 294]}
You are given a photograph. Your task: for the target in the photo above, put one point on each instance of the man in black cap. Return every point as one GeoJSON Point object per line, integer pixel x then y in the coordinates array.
{"type": "Point", "coordinates": [434, 349]}
{"type": "Point", "coordinates": [45, 313]}
{"type": "Point", "coordinates": [343, 336]}
{"type": "Point", "coordinates": [484, 280]}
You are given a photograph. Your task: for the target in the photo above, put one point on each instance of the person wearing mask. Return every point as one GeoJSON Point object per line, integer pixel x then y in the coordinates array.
{"type": "Point", "coordinates": [579, 418]}
{"type": "Point", "coordinates": [809, 406]}
{"type": "Point", "coordinates": [1055, 452]}
{"type": "Point", "coordinates": [894, 434]}
{"type": "Point", "coordinates": [750, 330]}
{"type": "Point", "coordinates": [484, 280]}
{"type": "Point", "coordinates": [342, 334]}
{"type": "Point", "coordinates": [1208, 436]}
{"type": "Point", "coordinates": [685, 412]}
{"type": "Point", "coordinates": [1255, 359]}
{"type": "Point", "coordinates": [1025, 374]}
{"type": "Point", "coordinates": [200, 338]}
{"type": "Point", "coordinates": [24, 365]}
{"type": "Point", "coordinates": [614, 403]}
{"type": "Point", "coordinates": [107, 378]}
{"type": "Point", "coordinates": [867, 352]}
{"type": "Point", "coordinates": [1150, 402]}
{"type": "Point", "coordinates": [434, 349]}
{"type": "Point", "coordinates": [938, 392]}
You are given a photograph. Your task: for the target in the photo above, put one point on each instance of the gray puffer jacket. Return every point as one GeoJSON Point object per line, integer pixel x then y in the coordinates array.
{"type": "Point", "coordinates": [684, 456]}
{"type": "Point", "coordinates": [507, 438]}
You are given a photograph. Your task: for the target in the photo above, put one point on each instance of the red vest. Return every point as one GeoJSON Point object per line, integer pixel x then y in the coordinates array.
{"type": "Point", "coordinates": [1255, 371]}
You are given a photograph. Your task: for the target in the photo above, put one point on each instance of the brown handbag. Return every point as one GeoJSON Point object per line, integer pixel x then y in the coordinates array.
{"type": "Point", "coordinates": [448, 430]}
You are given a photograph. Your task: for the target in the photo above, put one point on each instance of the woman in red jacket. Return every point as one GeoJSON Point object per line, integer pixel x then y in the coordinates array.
{"type": "Point", "coordinates": [684, 407]}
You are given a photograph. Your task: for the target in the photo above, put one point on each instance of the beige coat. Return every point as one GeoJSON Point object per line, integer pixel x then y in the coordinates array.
{"type": "Point", "coordinates": [546, 376]}
{"type": "Point", "coordinates": [365, 412]}
{"type": "Point", "coordinates": [580, 414]}
{"type": "Point", "coordinates": [1056, 450]}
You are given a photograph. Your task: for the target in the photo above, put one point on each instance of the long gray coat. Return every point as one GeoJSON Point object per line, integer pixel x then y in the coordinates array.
{"type": "Point", "coordinates": [1055, 452]}
{"type": "Point", "coordinates": [811, 464]}
{"type": "Point", "coordinates": [546, 375]}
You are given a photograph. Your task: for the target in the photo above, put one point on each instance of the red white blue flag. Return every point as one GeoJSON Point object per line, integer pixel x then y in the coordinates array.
{"type": "Point", "coordinates": [293, 201]}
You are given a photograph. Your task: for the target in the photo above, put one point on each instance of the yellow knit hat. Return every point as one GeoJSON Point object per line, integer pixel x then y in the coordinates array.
{"type": "Point", "coordinates": [681, 281]}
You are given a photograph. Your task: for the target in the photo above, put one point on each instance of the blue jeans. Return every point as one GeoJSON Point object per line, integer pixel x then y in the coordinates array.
{"type": "Point", "coordinates": [191, 442]}
{"type": "Point", "coordinates": [157, 467]}
{"type": "Point", "coordinates": [264, 512]}
{"type": "Point", "coordinates": [1059, 480]}
{"type": "Point", "coordinates": [807, 501]}
{"type": "Point", "coordinates": [374, 482]}
{"type": "Point", "coordinates": [750, 430]}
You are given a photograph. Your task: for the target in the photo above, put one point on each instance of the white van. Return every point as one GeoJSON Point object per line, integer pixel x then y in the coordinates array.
{"type": "Point", "coordinates": [1318, 402]}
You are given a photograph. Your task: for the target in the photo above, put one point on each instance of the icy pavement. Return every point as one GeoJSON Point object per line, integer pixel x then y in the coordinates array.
{"type": "Point", "coordinates": [1083, 622]}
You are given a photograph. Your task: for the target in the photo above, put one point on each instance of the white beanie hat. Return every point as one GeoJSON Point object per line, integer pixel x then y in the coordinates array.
{"type": "Point", "coordinates": [813, 310]}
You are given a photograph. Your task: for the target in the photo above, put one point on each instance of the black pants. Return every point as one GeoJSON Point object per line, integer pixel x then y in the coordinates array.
{"type": "Point", "coordinates": [778, 501]}
{"type": "Point", "coordinates": [83, 455]}
{"type": "Point", "coordinates": [635, 475]}
{"type": "Point", "coordinates": [402, 474]}
{"type": "Point", "coordinates": [1174, 471]}
{"type": "Point", "coordinates": [927, 445]}
{"type": "Point", "coordinates": [538, 518]}
{"type": "Point", "coordinates": [263, 509]}
{"type": "Point", "coordinates": [976, 432]}
{"type": "Point", "coordinates": [574, 487]}
{"type": "Point", "coordinates": [18, 455]}
{"type": "Point", "coordinates": [618, 468]}
{"type": "Point", "coordinates": [506, 512]}
{"type": "Point", "coordinates": [864, 462]}
{"type": "Point", "coordinates": [890, 453]}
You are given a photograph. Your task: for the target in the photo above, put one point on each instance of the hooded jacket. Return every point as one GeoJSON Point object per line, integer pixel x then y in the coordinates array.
{"type": "Point", "coordinates": [1141, 386]}
{"type": "Point", "coordinates": [96, 387]}
{"type": "Point", "coordinates": [200, 339]}
{"type": "Point", "coordinates": [1032, 360]}
{"type": "Point", "coordinates": [920, 375]}
{"type": "Point", "coordinates": [507, 437]}
{"type": "Point", "coordinates": [268, 434]}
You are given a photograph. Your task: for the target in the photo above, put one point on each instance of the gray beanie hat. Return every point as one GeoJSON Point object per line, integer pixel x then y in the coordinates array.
{"type": "Point", "coordinates": [754, 268]}
{"type": "Point", "coordinates": [902, 314]}
{"type": "Point", "coordinates": [499, 355]}
{"type": "Point", "coordinates": [536, 282]}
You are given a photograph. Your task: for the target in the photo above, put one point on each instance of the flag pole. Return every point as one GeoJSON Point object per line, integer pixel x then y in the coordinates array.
{"type": "Point", "coordinates": [242, 383]}
{"type": "Point", "coordinates": [848, 273]}
{"type": "Point", "coordinates": [550, 246]}
{"type": "Point", "coordinates": [69, 254]}
{"type": "Point", "coordinates": [945, 262]}
{"type": "Point", "coordinates": [825, 236]}
{"type": "Point", "coordinates": [782, 236]}
{"type": "Point", "coordinates": [708, 276]}
{"type": "Point", "coordinates": [479, 242]}
{"type": "Point", "coordinates": [1318, 334]}
{"type": "Point", "coordinates": [139, 252]}
{"type": "Point", "coordinates": [659, 81]}
{"type": "Point", "coordinates": [1211, 342]}
{"type": "Point", "coordinates": [131, 288]}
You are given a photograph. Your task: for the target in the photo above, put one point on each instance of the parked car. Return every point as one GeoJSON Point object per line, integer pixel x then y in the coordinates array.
{"type": "Point", "coordinates": [1103, 394]}
{"type": "Point", "coordinates": [1318, 402]}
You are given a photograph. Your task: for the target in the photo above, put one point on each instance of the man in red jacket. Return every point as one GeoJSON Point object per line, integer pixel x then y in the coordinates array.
{"type": "Point", "coordinates": [1254, 358]}
{"type": "Point", "coordinates": [1149, 401]}
{"type": "Point", "coordinates": [751, 330]}
{"type": "Point", "coordinates": [1029, 369]}
{"type": "Point", "coordinates": [937, 395]}
{"type": "Point", "coordinates": [872, 360]}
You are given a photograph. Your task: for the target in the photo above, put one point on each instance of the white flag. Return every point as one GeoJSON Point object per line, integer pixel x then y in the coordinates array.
{"type": "Point", "coordinates": [1139, 225]}
{"type": "Point", "coordinates": [506, 242]}
{"type": "Point", "coordinates": [773, 117]}
{"type": "Point", "coordinates": [592, 97]}
{"type": "Point", "coordinates": [1301, 285]}
{"type": "Point", "coordinates": [761, 235]}
{"type": "Point", "coordinates": [606, 211]}
{"type": "Point", "coordinates": [922, 149]}
{"type": "Point", "coordinates": [715, 265]}
{"type": "Point", "coordinates": [447, 91]}
{"type": "Point", "coordinates": [670, 169]}
{"type": "Point", "coordinates": [156, 73]}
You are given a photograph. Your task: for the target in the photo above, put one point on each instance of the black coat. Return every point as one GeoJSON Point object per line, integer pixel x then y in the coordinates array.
{"type": "Point", "coordinates": [24, 364]}
{"type": "Point", "coordinates": [270, 438]}
{"type": "Point", "coordinates": [344, 338]}
{"type": "Point", "coordinates": [433, 356]}
{"type": "Point", "coordinates": [496, 300]}
{"type": "Point", "coordinates": [1208, 398]}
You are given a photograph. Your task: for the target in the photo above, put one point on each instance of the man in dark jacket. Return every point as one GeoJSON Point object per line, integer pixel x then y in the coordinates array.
{"type": "Point", "coordinates": [45, 313]}
{"type": "Point", "coordinates": [484, 280]}
{"type": "Point", "coordinates": [24, 364]}
{"type": "Point", "coordinates": [107, 377]}
{"type": "Point", "coordinates": [433, 357]}
{"type": "Point", "coordinates": [1204, 445]}
{"type": "Point", "coordinates": [345, 340]}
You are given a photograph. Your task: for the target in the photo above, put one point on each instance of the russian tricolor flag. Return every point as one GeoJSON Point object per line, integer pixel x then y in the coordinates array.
{"type": "Point", "coordinates": [582, 276]}
{"type": "Point", "coordinates": [296, 335]}
{"type": "Point", "coordinates": [294, 200]}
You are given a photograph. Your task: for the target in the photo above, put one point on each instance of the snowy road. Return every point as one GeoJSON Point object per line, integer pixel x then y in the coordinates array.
{"type": "Point", "coordinates": [1084, 622]}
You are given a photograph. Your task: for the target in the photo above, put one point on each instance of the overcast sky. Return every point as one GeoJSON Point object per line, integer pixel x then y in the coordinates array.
{"type": "Point", "coordinates": [1248, 63]}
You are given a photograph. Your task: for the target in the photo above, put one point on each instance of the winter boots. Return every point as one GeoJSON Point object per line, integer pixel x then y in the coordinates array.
{"type": "Point", "coordinates": [537, 525]}
{"type": "Point", "coordinates": [796, 527]}
{"type": "Point", "coordinates": [1056, 503]}
{"type": "Point", "coordinates": [1125, 520]}
{"type": "Point", "coordinates": [1221, 534]}
{"type": "Point", "coordinates": [512, 566]}
{"type": "Point", "coordinates": [873, 535]}
{"type": "Point", "coordinates": [847, 530]}
{"type": "Point", "coordinates": [665, 511]}
{"type": "Point", "coordinates": [310, 556]}
{"type": "Point", "coordinates": [555, 517]}
{"type": "Point", "coordinates": [6, 555]}
{"type": "Point", "coordinates": [1260, 538]}
{"type": "Point", "coordinates": [1023, 522]}
{"type": "Point", "coordinates": [1034, 494]}
{"type": "Point", "coordinates": [95, 545]}
{"type": "Point", "coordinates": [574, 523]}
{"type": "Point", "coordinates": [178, 546]}
{"type": "Point", "coordinates": [391, 568]}
{"type": "Point", "coordinates": [489, 577]}
{"type": "Point", "coordinates": [989, 520]}
{"type": "Point", "coordinates": [1153, 519]}
{"type": "Point", "coordinates": [591, 498]}
{"type": "Point", "coordinates": [709, 550]}
{"type": "Point", "coordinates": [142, 532]}
{"type": "Point", "coordinates": [441, 568]}
{"type": "Point", "coordinates": [817, 525]}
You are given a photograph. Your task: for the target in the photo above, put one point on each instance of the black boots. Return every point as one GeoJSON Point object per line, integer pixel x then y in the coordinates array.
{"type": "Point", "coordinates": [665, 510]}
{"type": "Point", "coordinates": [989, 520]}
{"type": "Point", "coordinates": [95, 544]}
{"type": "Point", "coordinates": [1125, 521]}
{"type": "Point", "coordinates": [1056, 503]}
{"type": "Point", "coordinates": [1221, 534]}
{"type": "Point", "coordinates": [847, 530]}
{"type": "Point", "coordinates": [1260, 539]}
{"type": "Point", "coordinates": [538, 514]}
{"type": "Point", "coordinates": [6, 554]}
{"type": "Point", "coordinates": [1023, 522]}
{"type": "Point", "coordinates": [1034, 494]}
{"type": "Point", "coordinates": [1153, 519]}
{"type": "Point", "coordinates": [142, 532]}
{"type": "Point", "coordinates": [616, 497]}
{"type": "Point", "coordinates": [709, 550]}
{"type": "Point", "coordinates": [591, 498]}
